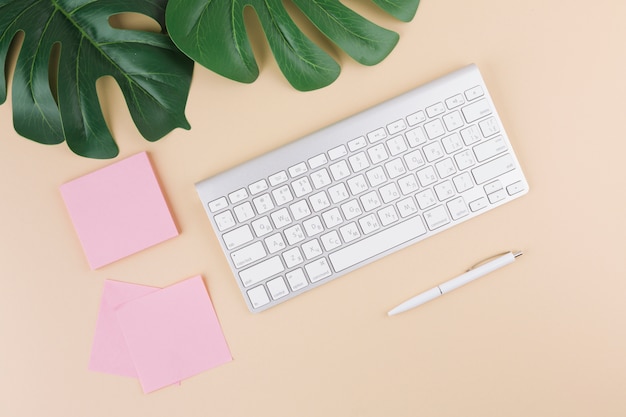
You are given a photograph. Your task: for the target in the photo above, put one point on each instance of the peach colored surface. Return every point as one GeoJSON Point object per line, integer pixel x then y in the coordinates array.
{"type": "Point", "coordinates": [545, 336]}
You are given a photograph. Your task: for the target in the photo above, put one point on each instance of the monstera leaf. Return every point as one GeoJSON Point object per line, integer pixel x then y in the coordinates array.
{"type": "Point", "coordinates": [73, 38]}
{"type": "Point", "coordinates": [213, 33]}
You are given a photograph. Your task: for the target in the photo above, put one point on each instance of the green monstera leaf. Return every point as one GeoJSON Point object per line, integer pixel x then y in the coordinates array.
{"type": "Point", "coordinates": [74, 39]}
{"type": "Point", "coordinates": [213, 33]}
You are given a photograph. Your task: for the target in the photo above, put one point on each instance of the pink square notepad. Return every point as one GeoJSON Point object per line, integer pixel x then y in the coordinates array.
{"type": "Point", "coordinates": [172, 334]}
{"type": "Point", "coordinates": [118, 210]}
{"type": "Point", "coordinates": [109, 353]}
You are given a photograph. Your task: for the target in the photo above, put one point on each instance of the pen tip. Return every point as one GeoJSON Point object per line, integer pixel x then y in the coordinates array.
{"type": "Point", "coordinates": [517, 253]}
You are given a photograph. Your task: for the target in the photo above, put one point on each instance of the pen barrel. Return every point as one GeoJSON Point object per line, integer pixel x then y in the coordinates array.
{"type": "Point", "coordinates": [476, 273]}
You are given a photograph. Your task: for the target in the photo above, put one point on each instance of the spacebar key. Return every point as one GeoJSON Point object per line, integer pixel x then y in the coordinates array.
{"type": "Point", "coordinates": [376, 244]}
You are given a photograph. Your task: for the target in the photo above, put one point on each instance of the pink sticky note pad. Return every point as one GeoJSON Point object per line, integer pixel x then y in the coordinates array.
{"type": "Point", "coordinates": [109, 353]}
{"type": "Point", "coordinates": [173, 334]}
{"type": "Point", "coordinates": [118, 210]}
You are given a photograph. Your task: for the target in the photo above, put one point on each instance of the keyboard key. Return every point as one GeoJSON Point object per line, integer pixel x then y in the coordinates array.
{"type": "Point", "coordinates": [258, 297]}
{"type": "Point", "coordinates": [516, 187]}
{"type": "Point", "coordinates": [388, 215]}
{"type": "Point", "coordinates": [471, 135]}
{"type": "Point", "coordinates": [377, 154]}
{"type": "Point", "coordinates": [313, 226]}
{"type": "Point", "coordinates": [474, 92]}
{"type": "Point", "coordinates": [349, 232]}
{"type": "Point", "coordinates": [262, 226]}
{"type": "Point", "coordinates": [444, 190]}
{"type": "Point", "coordinates": [224, 220]}
{"type": "Point", "coordinates": [433, 151]}
{"type": "Point", "coordinates": [452, 143]}
{"type": "Point", "coordinates": [435, 110]}
{"type": "Point", "coordinates": [476, 110]}
{"type": "Point", "coordinates": [370, 201]}
{"type": "Point", "coordinates": [396, 145]}
{"type": "Point", "coordinates": [434, 129]}
{"type": "Point", "coordinates": [489, 127]}
{"type": "Point", "coordinates": [320, 178]}
{"type": "Point", "coordinates": [299, 210]}
{"type": "Point", "coordinates": [337, 152]}
{"type": "Point", "coordinates": [416, 118]}
{"type": "Point", "coordinates": [218, 204]}
{"type": "Point", "coordinates": [445, 168]}
{"type": "Point", "coordinates": [395, 168]}
{"type": "Point", "coordinates": [490, 148]}
{"type": "Point", "coordinates": [457, 208]}
{"type": "Point", "coordinates": [359, 162]}
{"type": "Point", "coordinates": [237, 237]}
{"type": "Point", "coordinates": [297, 169]}
{"type": "Point", "coordinates": [330, 240]}
{"type": "Point", "coordinates": [277, 288]}
{"type": "Point", "coordinates": [351, 209]}
{"type": "Point", "coordinates": [278, 178]}
{"type": "Point", "coordinates": [317, 161]}
{"type": "Point", "coordinates": [294, 234]}
{"type": "Point", "coordinates": [282, 195]}
{"type": "Point", "coordinates": [357, 184]}
{"type": "Point", "coordinates": [369, 223]}
{"type": "Point", "coordinates": [244, 212]}
{"type": "Point", "coordinates": [358, 143]}
{"type": "Point", "coordinates": [339, 170]}
{"type": "Point", "coordinates": [376, 244]}
{"type": "Point", "coordinates": [415, 137]}
{"type": "Point", "coordinates": [453, 121]}
{"type": "Point", "coordinates": [493, 168]}
{"type": "Point", "coordinates": [463, 182]}
{"type": "Point", "coordinates": [263, 203]}
{"type": "Point", "coordinates": [478, 204]}
{"type": "Point", "coordinates": [376, 176]}
{"type": "Point", "coordinates": [301, 187]}
{"type": "Point", "coordinates": [464, 159]}
{"type": "Point", "coordinates": [414, 160]}
{"type": "Point", "coordinates": [436, 217]}
{"type": "Point", "coordinates": [338, 193]}
{"type": "Point", "coordinates": [376, 135]}
{"type": "Point", "coordinates": [296, 279]}
{"type": "Point", "coordinates": [332, 218]}
{"type": "Point", "coordinates": [408, 184]}
{"type": "Point", "coordinates": [395, 127]}
{"type": "Point", "coordinates": [275, 243]}
{"type": "Point", "coordinates": [406, 207]}
{"type": "Point", "coordinates": [261, 271]}
{"type": "Point", "coordinates": [237, 196]}
{"type": "Point", "coordinates": [319, 201]}
{"type": "Point", "coordinates": [455, 101]}
{"type": "Point", "coordinates": [311, 249]}
{"type": "Point", "coordinates": [281, 218]}
{"type": "Point", "coordinates": [318, 270]}
{"type": "Point", "coordinates": [293, 257]}
{"type": "Point", "coordinates": [257, 187]}
{"type": "Point", "coordinates": [248, 254]}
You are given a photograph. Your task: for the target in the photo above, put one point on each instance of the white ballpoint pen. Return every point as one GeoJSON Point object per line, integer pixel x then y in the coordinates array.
{"type": "Point", "coordinates": [454, 283]}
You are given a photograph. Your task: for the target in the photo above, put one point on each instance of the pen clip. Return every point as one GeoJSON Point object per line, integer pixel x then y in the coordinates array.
{"type": "Point", "coordinates": [484, 261]}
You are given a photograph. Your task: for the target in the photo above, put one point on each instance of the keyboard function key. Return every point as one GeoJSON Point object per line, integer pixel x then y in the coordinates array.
{"type": "Point", "coordinates": [297, 169]}
{"type": "Point", "coordinates": [435, 110]}
{"type": "Point", "coordinates": [358, 143]}
{"type": "Point", "coordinates": [337, 152]}
{"type": "Point", "coordinates": [261, 271]}
{"type": "Point", "coordinates": [278, 178]}
{"type": "Point", "coordinates": [218, 204]}
{"type": "Point", "coordinates": [257, 187]}
{"type": "Point", "coordinates": [377, 135]}
{"type": "Point", "coordinates": [237, 196]}
{"type": "Point", "coordinates": [317, 161]}
{"type": "Point", "coordinates": [395, 127]}
{"type": "Point", "coordinates": [415, 118]}
{"type": "Point", "coordinates": [474, 93]}
{"type": "Point", "coordinates": [454, 101]}
{"type": "Point", "coordinates": [497, 196]}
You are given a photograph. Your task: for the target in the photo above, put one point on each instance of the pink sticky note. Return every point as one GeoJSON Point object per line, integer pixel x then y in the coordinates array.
{"type": "Point", "coordinates": [109, 353]}
{"type": "Point", "coordinates": [118, 210]}
{"type": "Point", "coordinates": [173, 334]}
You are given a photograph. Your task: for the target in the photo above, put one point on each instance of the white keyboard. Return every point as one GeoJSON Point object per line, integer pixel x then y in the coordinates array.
{"type": "Point", "coordinates": [340, 198]}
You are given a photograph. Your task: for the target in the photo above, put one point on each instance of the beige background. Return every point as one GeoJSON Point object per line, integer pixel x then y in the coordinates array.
{"type": "Point", "coordinates": [543, 337]}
